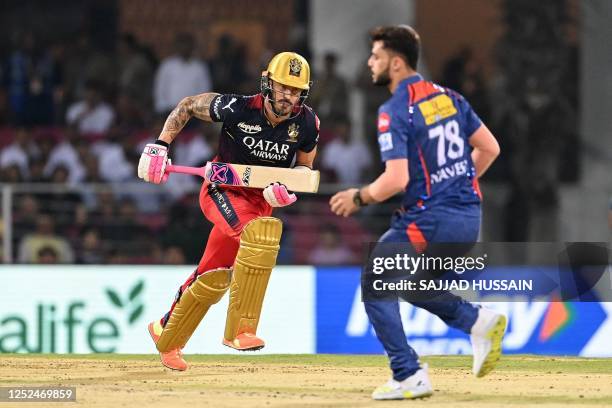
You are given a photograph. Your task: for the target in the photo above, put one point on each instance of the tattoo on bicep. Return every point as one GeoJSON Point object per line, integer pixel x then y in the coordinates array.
{"type": "Point", "coordinates": [200, 107]}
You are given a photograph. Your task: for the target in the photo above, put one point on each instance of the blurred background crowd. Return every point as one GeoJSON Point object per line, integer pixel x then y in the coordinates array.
{"type": "Point", "coordinates": [84, 85]}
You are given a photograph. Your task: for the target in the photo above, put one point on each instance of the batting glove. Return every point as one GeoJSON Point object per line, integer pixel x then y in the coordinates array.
{"type": "Point", "coordinates": [276, 195]}
{"type": "Point", "coordinates": [152, 164]}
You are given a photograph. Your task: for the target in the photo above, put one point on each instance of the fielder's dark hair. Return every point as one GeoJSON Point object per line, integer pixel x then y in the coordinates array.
{"type": "Point", "coordinates": [401, 39]}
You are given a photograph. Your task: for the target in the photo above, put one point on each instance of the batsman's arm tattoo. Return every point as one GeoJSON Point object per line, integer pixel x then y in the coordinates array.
{"type": "Point", "coordinates": [191, 106]}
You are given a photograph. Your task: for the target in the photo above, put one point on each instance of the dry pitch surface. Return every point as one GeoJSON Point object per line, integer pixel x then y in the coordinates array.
{"type": "Point", "coordinates": [305, 381]}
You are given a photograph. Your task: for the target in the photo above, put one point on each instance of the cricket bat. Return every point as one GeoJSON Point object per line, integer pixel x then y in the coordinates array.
{"type": "Point", "coordinates": [244, 175]}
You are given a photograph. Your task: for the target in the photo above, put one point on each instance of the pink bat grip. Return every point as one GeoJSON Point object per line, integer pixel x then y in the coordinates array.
{"type": "Point", "coordinates": [196, 171]}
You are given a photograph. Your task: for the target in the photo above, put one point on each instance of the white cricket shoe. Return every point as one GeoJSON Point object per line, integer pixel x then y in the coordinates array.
{"type": "Point", "coordinates": [415, 386]}
{"type": "Point", "coordinates": [486, 337]}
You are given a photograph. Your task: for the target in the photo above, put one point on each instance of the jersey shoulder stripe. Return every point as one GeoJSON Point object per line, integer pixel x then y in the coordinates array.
{"type": "Point", "coordinates": [421, 90]}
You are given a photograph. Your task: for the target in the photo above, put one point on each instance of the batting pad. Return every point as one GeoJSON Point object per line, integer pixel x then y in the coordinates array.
{"type": "Point", "coordinates": [259, 245]}
{"type": "Point", "coordinates": [207, 290]}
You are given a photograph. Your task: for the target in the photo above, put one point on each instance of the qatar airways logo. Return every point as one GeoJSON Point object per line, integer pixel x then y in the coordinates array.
{"type": "Point", "coordinates": [266, 149]}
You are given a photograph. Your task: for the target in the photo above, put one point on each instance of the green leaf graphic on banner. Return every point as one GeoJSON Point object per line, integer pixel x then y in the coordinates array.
{"type": "Point", "coordinates": [136, 290]}
{"type": "Point", "coordinates": [135, 314]}
{"type": "Point", "coordinates": [114, 298]}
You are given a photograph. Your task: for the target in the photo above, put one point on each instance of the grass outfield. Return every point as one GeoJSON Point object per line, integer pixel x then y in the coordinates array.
{"type": "Point", "coordinates": [308, 380]}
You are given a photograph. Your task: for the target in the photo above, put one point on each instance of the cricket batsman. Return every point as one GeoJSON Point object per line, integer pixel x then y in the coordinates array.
{"type": "Point", "coordinates": [273, 128]}
{"type": "Point", "coordinates": [435, 148]}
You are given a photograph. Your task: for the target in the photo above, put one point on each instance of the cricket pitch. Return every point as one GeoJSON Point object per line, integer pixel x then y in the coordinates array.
{"type": "Point", "coordinates": [113, 380]}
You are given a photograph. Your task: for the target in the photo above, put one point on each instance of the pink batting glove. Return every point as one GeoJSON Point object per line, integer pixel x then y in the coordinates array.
{"type": "Point", "coordinates": [152, 164]}
{"type": "Point", "coordinates": [276, 195]}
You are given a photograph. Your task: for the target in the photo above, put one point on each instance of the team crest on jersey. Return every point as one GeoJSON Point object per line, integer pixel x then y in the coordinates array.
{"type": "Point", "coordinates": [295, 67]}
{"type": "Point", "coordinates": [293, 132]}
{"type": "Point", "coordinates": [384, 121]}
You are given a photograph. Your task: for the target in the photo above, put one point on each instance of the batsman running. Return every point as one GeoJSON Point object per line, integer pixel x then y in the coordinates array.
{"type": "Point", "coordinates": [274, 128]}
{"type": "Point", "coordinates": [435, 148]}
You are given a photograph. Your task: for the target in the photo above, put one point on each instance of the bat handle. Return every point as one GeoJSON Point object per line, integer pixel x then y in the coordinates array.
{"type": "Point", "coordinates": [196, 171]}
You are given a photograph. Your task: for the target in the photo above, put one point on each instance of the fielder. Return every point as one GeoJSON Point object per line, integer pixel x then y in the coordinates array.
{"type": "Point", "coordinates": [272, 128]}
{"type": "Point", "coordinates": [435, 148]}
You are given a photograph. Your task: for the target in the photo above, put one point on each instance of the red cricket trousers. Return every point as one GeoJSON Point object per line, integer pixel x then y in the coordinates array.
{"type": "Point", "coordinates": [229, 209]}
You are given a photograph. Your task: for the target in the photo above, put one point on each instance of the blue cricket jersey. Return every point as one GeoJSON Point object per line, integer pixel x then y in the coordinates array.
{"type": "Point", "coordinates": [430, 126]}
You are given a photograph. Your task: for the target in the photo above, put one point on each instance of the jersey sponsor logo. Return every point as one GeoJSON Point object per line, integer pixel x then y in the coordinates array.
{"type": "Point", "coordinates": [250, 129]}
{"type": "Point", "coordinates": [229, 104]}
{"type": "Point", "coordinates": [385, 141]}
{"type": "Point", "coordinates": [384, 121]}
{"type": "Point", "coordinates": [267, 149]}
{"type": "Point", "coordinates": [293, 131]}
{"type": "Point", "coordinates": [437, 108]}
{"type": "Point", "coordinates": [216, 106]}
{"type": "Point", "coordinates": [449, 172]}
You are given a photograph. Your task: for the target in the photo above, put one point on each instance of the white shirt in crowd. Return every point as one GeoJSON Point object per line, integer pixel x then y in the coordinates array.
{"type": "Point", "coordinates": [98, 120]}
{"type": "Point", "coordinates": [177, 78]}
{"type": "Point", "coordinates": [348, 161]}
{"type": "Point", "coordinates": [113, 164]}
{"type": "Point", "coordinates": [65, 155]}
{"type": "Point", "coordinates": [12, 155]}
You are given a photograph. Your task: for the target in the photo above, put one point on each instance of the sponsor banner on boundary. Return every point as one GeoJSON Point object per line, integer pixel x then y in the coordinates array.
{"type": "Point", "coordinates": [106, 309]}
{"type": "Point", "coordinates": [539, 327]}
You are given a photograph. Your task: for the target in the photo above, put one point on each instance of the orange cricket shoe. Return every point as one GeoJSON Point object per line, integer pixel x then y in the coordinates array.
{"type": "Point", "coordinates": [245, 342]}
{"type": "Point", "coordinates": [172, 359]}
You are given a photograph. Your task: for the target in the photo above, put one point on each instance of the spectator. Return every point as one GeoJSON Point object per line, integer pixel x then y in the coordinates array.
{"type": "Point", "coordinates": [47, 255]}
{"type": "Point", "coordinates": [90, 250]}
{"type": "Point", "coordinates": [37, 167]}
{"type": "Point", "coordinates": [173, 255]}
{"type": "Point", "coordinates": [331, 249]}
{"type": "Point", "coordinates": [11, 174]}
{"type": "Point", "coordinates": [26, 215]}
{"type": "Point", "coordinates": [454, 70]}
{"type": "Point", "coordinates": [349, 159]}
{"type": "Point", "coordinates": [44, 236]}
{"type": "Point", "coordinates": [135, 73]}
{"type": "Point", "coordinates": [227, 67]}
{"type": "Point", "coordinates": [91, 115]}
{"type": "Point", "coordinates": [85, 62]}
{"type": "Point", "coordinates": [17, 153]}
{"type": "Point", "coordinates": [63, 200]}
{"type": "Point", "coordinates": [329, 97]}
{"type": "Point", "coordinates": [180, 75]}
{"type": "Point", "coordinates": [65, 154]}
{"type": "Point", "coordinates": [463, 73]}
{"type": "Point", "coordinates": [113, 164]}
{"type": "Point", "coordinates": [31, 78]}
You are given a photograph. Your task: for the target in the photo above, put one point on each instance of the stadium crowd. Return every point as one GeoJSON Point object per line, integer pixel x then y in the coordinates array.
{"type": "Point", "coordinates": [74, 117]}
{"type": "Point", "coordinates": [73, 122]}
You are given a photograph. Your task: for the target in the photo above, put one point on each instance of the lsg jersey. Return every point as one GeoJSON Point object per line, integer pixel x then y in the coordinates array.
{"type": "Point", "coordinates": [248, 138]}
{"type": "Point", "coordinates": [430, 126]}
